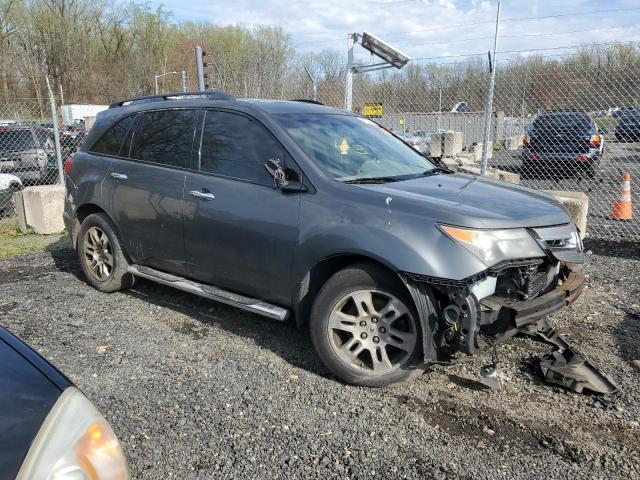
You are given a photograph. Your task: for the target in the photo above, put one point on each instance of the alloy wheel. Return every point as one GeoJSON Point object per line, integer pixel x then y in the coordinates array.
{"type": "Point", "coordinates": [372, 330]}
{"type": "Point", "coordinates": [98, 253]}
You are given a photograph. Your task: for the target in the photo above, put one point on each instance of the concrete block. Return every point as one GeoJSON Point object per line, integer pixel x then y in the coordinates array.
{"type": "Point", "coordinates": [19, 206]}
{"type": "Point", "coordinates": [506, 176]}
{"type": "Point", "coordinates": [577, 204]}
{"type": "Point", "coordinates": [452, 143]}
{"type": "Point", "coordinates": [476, 150]}
{"type": "Point", "coordinates": [436, 146]}
{"type": "Point", "coordinates": [466, 158]}
{"type": "Point", "coordinates": [514, 143]}
{"type": "Point", "coordinates": [42, 208]}
{"type": "Point", "coordinates": [450, 163]}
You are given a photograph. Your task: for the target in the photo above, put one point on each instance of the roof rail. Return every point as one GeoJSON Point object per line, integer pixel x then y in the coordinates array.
{"type": "Point", "coordinates": [306, 100]}
{"type": "Point", "coordinates": [211, 94]}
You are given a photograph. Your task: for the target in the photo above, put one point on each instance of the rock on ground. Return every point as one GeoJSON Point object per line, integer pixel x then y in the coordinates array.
{"type": "Point", "coordinates": [195, 389]}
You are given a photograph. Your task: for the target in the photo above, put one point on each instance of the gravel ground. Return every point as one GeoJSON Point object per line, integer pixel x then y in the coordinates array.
{"type": "Point", "coordinates": [195, 389]}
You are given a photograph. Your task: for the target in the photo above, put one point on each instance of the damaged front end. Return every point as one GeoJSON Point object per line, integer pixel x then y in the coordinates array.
{"type": "Point", "coordinates": [511, 297]}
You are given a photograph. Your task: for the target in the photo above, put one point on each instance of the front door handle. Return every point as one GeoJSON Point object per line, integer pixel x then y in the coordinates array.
{"type": "Point", "coordinates": [203, 195]}
{"type": "Point", "coordinates": [119, 176]}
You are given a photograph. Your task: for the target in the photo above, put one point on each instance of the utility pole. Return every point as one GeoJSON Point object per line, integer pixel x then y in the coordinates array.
{"type": "Point", "coordinates": [56, 132]}
{"type": "Point", "coordinates": [488, 109]}
{"type": "Point", "coordinates": [314, 85]}
{"type": "Point", "coordinates": [348, 93]}
{"type": "Point", "coordinates": [200, 68]}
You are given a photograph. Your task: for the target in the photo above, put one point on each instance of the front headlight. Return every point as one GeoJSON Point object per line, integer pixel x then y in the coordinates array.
{"type": "Point", "coordinates": [494, 246]}
{"type": "Point", "coordinates": [75, 442]}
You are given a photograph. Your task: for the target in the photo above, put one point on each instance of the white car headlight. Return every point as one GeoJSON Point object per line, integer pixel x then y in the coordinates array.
{"type": "Point", "coordinates": [75, 442]}
{"type": "Point", "coordinates": [494, 246]}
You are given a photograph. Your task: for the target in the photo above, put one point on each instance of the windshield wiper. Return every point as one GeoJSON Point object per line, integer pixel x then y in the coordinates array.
{"type": "Point", "coordinates": [372, 180]}
{"type": "Point", "coordinates": [436, 171]}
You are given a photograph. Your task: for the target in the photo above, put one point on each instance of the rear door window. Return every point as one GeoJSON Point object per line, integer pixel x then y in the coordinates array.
{"type": "Point", "coordinates": [165, 137]}
{"type": "Point", "coordinates": [111, 142]}
{"type": "Point", "coordinates": [237, 146]}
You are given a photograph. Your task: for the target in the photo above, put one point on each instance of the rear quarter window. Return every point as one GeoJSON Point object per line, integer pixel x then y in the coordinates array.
{"type": "Point", "coordinates": [111, 141]}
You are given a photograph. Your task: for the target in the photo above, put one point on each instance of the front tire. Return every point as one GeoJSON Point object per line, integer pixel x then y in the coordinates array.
{"type": "Point", "coordinates": [101, 255]}
{"type": "Point", "coordinates": [365, 328]}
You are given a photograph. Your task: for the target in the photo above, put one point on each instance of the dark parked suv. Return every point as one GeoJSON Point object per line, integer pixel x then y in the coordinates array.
{"type": "Point", "coordinates": [27, 151]}
{"type": "Point", "coordinates": [297, 210]}
{"type": "Point", "coordinates": [628, 128]}
{"type": "Point", "coordinates": [563, 140]}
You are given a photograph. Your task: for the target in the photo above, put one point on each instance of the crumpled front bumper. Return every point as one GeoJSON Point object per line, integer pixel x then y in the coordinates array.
{"type": "Point", "coordinates": [524, 312]}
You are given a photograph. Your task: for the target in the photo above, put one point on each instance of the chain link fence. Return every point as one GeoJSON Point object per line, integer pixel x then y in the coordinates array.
{"type": "Point", "coordinates": [556, 126]}
{"type": "Point", "coordinates": [27, 148]}
{"type": "Point", "coordinates": [560, 125]}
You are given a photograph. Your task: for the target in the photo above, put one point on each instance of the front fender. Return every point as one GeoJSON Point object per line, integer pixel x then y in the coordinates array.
{"type": "Point", "coordinates": [404, 242]}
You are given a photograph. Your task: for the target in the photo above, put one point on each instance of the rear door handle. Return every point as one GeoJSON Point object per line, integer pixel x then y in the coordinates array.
{"type": "Point", "coordinates": [203, 195]}
{"type": "Point", "coordinates": [119, 176]}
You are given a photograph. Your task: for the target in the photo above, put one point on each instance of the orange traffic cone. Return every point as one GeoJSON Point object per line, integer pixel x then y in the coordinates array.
{"type": "Point", "coordinates": [622, 208]}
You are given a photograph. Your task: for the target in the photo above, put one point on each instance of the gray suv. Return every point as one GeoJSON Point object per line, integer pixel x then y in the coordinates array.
{"type": "Point", "coordinates": [291, 209]}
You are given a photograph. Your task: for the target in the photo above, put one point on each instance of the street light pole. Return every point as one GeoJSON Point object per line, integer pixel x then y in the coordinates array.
{"type": "Point", "coordinates": [489, 103]}
{"type": "Point", "coordinates": [155, 80]}
{"type": "Point", "coordinates": [313, 83]}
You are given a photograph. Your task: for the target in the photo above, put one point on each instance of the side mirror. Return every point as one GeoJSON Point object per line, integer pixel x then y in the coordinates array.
{"type": "Point", "coordinates": [275, 170]}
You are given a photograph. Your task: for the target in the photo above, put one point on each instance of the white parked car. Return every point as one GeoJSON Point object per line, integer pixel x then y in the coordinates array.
{"type": "Point", "coordinates": [9, 184]}
{"type": "Point", "coordinates": [420, 140]}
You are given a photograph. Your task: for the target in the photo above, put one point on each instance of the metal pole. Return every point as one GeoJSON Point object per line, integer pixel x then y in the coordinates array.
{"type": "Point", "coordinates": [313, 83]}
{"type": "Point", "coordinates": [439, 105]}
{"type": "Point", "coordinates": [61, 95]}
{"type": "Point", "coordinates": [348, 93]}
{"type": "Point", "coordinates": [199, 68]}
{"type": "Point", "coordinates": [489, 104]}
{"type": "Point", "coordinates": [56, 132]}
{"type": "Point", "coordinates": [183, 80]}
{"type": "Point", "coordinates": [155, 81]}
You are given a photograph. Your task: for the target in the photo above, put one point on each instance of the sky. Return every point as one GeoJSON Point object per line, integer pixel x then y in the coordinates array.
{"type": "Point", "coordinates": [430, 30]}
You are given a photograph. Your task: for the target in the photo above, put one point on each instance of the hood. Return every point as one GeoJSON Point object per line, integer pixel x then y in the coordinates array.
{"type": "Point", "coordinates": [465, 200]}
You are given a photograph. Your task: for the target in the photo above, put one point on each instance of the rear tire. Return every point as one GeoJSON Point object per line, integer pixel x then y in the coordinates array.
{"type": "Point", "coordinates": [365, 328]}
{"type": "Point", "coordinates": [101, 255]}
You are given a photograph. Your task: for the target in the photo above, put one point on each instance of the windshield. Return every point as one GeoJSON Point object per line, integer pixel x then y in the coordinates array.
{"type": "Point", "coordinates": [15, 140]}
{"type": "Point", "coordinates": [353, 148]}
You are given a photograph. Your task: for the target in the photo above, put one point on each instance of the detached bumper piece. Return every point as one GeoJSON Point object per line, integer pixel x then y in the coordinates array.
{"type": "Point", "coordinates": [524, 312]}
{"type": "Point", "coordinates": [570, 368]}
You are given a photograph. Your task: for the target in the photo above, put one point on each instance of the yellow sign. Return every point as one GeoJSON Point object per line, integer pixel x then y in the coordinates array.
{"type": "Point", "coordinates": [402, 121]}
{"type": "Point", "coordinates": [372, 110]}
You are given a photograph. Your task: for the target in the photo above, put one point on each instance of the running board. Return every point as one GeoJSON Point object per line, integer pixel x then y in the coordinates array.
{"type": "Point", "coordinates": [213, 293]}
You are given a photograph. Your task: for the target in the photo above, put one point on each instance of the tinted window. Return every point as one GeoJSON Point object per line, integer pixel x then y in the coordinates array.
{"type": "Point", "coordinates": [165, 137]}
{"type": "Point", "coordinates": [571, 121]}
{"type": "Point", "coordinates": [13, 140]}
{"type": "Point", "coordinates": [629, 116]}
{"type": "Point", "coordinates": [111, 142]}
{"type": "Point", "coordinates": [236, 146]}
